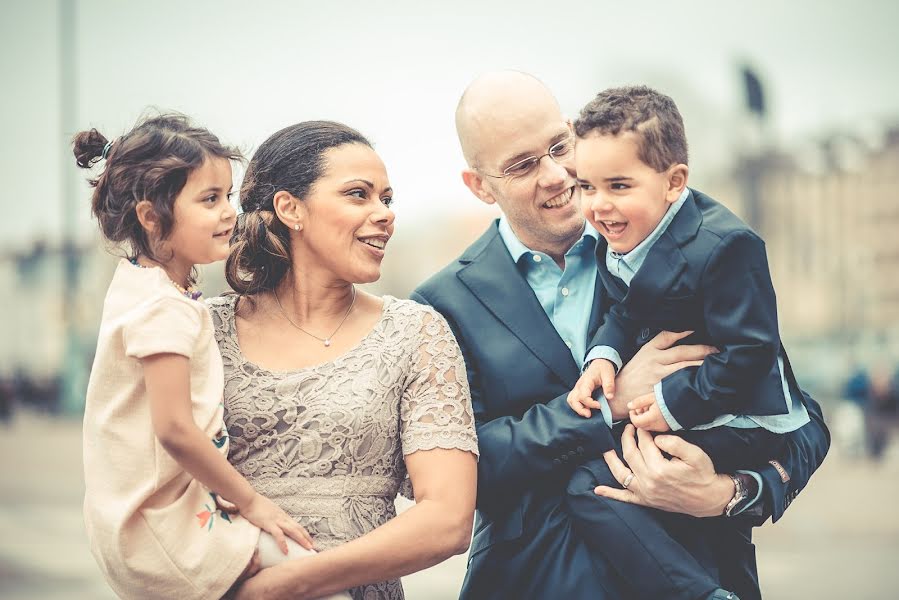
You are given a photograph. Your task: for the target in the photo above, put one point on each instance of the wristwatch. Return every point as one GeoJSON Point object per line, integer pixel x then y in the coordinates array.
{"type": "Point", "coordinates": [740, 494]}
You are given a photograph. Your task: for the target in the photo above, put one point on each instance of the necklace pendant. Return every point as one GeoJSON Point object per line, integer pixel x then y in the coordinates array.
{"type": "Point", "coordinates": [327, 342]}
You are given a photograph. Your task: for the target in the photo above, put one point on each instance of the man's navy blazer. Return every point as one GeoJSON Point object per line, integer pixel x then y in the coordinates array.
{"type": "Point", "coordinates": [707, 273]}
{"type": "Point", "coordinates": [520, 372]}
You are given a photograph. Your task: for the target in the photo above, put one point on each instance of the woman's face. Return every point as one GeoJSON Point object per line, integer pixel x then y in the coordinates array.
{"type": "Point", "coordinates": [346, 216]}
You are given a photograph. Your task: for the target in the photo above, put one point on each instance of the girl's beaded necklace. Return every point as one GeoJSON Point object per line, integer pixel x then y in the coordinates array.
{"type": "Point", "coordinates": [186, 292]}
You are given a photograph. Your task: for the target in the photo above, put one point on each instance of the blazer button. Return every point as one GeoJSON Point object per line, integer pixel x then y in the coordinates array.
{"type": "Point", "coordinates": [572, 453]}
{"type": "Point", "coordinates": [557, 462]}
{"type": "Point", "coordinates": [564, 458]}
{"type": "Point", "coordinates": [580, 449]}
{"type": "Point", "coordinates": [644, 335]}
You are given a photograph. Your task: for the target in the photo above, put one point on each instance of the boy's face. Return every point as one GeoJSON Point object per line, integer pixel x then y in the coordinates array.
{"type": "Point", "coordinates": [623, 197]}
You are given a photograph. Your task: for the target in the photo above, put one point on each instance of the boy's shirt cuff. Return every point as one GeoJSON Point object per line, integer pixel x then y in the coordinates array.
{"type": "Point", "coordinates": [606, 352]}
{"type": "Point", "coordinates": [663, 408]}
{"type": "Point", "coordinates": [606, 411]}
{"type": "Point", "coordinates": [754, 501]}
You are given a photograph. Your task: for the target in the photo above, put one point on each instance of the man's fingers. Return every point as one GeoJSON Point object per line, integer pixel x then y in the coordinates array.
{"type": "Point", "coordinates": [686, 352]}
{"type": "Point", "coordinates": [669, 369]}
{"type": "Point", "coordinates": [679, 448]}
{"type": "Point", "coordinates": [648, 449]}
{"type": "Point", "coordinates": [619, 469]}
{"type": "Point", "coordinates": [642, 402]}
{"type": "Point", "coordinates": [666, 339]}
{"type": "Point", "coordinates": [631, 452]}
{"type": "Point", "coordinates": [615, 494]}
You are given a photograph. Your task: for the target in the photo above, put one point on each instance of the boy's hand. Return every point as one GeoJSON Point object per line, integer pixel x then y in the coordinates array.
{"type": "Point", "coordinates": [599, 372]}
{"type": "Point", "coordinates": [268, 516]}
{"type": "Point", "coordinates": [645, 413]}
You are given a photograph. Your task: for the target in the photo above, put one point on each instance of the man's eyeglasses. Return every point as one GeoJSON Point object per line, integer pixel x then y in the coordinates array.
{"type": "Point", "coordinates": [559, 152]}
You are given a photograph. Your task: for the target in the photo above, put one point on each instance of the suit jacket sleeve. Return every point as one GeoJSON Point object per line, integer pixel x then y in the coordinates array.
{"type": "Point", "coordinates": [740, 313]}
{"type": "Point", "coordinates": [615, 333]}
{"type": "Point", "coordinates": [787, 475]}
{"type": "Point", "coordinates": [541, 448]}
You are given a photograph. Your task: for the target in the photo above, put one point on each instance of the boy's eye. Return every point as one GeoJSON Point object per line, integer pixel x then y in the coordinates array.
{"type": "Point", "coordinates": [620, 186]}
{"type": "Point", "coordinates": [584, 185]}
{"type": "Point", "coordinates": [387, 200]}
{"type": "Point", "coordinates": [212, 199]}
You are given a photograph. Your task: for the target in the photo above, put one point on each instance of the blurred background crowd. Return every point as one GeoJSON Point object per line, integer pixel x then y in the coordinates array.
{"type": "Point", "coordinates": [792, 112]}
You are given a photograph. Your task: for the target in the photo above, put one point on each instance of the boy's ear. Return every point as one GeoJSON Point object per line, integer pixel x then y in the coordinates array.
{"type": "Point", "coordinates": [475, 182]}
{"type": "Point", "coordinates": [677, 181]}
{"type": "Point", "coordinates": [288, 209]}
{"type": "Point", "coordinates": [146, 216]}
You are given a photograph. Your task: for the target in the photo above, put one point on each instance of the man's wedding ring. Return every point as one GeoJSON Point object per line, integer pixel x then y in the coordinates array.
{"type": "Point", "coordinates": [627, 480]}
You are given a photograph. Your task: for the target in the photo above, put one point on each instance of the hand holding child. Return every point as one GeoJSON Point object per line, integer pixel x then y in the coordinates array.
{"type": "Point", "coordinates": [599, 373]}
{"type": "Point", "coordinates": [645, 414]}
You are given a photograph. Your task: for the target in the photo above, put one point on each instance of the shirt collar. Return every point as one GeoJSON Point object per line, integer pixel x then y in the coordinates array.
{"type": "Point", "coordinates": [634, 259]}
{"type": "Point", "coordinates": [517, 249]}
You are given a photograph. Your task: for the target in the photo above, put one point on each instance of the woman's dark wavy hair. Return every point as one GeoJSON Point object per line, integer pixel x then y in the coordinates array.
{"type": "Point", "coordinates": [151, 162]}
{"type": "Point", "coordinates": [291, 160]}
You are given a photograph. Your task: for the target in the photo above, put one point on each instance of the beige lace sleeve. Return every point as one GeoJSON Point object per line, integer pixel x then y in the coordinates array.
{"type": "Point", "coordinates": [435, 410]}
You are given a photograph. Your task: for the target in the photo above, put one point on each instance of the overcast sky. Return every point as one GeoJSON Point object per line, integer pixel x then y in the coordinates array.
{"type": "Point", "coordinates": [395, 70]}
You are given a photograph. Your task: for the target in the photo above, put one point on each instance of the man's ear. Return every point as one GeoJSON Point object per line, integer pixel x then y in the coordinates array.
{"type": "Point", "coordinates": [677, 181]}
{"type": "Point", "coordinates": [146, 216]}
{"type": "Point", "coordinates": [288, 210]}
{"type": "Point", "coordinates": [475, 182]}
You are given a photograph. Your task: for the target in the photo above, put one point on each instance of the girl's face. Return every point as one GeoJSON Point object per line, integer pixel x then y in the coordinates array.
{"type": "Point", "coordinates": [203, 216]}
{"type": "Point", "coordinates": [346, 217]}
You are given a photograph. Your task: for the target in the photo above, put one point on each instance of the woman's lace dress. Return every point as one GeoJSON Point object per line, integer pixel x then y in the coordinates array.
{"type": "Point", "coordinates": [327, 442]}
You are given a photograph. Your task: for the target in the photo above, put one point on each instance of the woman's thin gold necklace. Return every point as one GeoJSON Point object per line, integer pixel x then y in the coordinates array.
{"type": "Point", "coordinates": [327, 340]}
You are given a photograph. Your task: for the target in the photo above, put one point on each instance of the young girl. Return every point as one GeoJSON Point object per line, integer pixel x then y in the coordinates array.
{"type": "Point", "coordinates": [155, 445]}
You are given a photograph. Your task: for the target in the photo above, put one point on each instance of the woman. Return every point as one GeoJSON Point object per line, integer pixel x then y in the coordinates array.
{"type": "Point", "coordinates": [336, 399]}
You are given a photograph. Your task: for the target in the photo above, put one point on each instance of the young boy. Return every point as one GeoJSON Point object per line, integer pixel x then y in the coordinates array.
{"type": "Point", "coordinates": [671, 258]}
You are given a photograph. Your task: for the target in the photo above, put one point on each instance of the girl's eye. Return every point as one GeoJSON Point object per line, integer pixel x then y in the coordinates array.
{"type": "Point", "coordinates": [212, 199]}
{"type": "Point", "coordinates": [387, 200]}
{"type": "Point", "coordinates": [359, 193]}
{"type": "Point", "coordinates": [620, 186]}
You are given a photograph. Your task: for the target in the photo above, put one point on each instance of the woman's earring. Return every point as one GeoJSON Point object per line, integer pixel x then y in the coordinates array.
{"type": "Point", "coordinates": [296, 226]}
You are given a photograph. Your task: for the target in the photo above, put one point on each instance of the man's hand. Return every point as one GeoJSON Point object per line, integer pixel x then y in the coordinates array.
{"type": "Point", "coordinates": [657, 359]}
{"type": "Point", "coordinates": [645, 414]}
{"type": "Point", "coordinates": [599, 373]}
{"type": "Point", "coordinates": [687, 483]}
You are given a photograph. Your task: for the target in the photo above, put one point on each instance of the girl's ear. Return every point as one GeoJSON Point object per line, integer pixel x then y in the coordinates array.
{"type": "Point", "coordinates": [146, 216]}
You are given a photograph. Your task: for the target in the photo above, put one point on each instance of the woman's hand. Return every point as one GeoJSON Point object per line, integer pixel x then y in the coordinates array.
{"type": "Point", "coordinates": [686, 483]}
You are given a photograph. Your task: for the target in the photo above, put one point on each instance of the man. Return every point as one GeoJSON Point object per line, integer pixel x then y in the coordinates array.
{"type": "Point", "coordinates": [522, 303]}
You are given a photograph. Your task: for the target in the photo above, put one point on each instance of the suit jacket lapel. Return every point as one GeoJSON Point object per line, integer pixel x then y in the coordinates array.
{"type": "Point", "coordinates": [666, 255]}
{"type": "Point", "coordinates": [494, 280]}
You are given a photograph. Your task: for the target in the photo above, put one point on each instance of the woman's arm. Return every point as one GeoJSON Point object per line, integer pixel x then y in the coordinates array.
{"type": "Point", "coordinates": [437, 527]}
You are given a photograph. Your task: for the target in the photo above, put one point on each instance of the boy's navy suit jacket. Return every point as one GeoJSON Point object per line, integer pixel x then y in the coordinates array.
{"type": "Point", "coordinates": [707, 273]}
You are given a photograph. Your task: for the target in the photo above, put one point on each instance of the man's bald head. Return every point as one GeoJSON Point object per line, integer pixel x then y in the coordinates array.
{"type": "Point", "coordinates": [494, 102]}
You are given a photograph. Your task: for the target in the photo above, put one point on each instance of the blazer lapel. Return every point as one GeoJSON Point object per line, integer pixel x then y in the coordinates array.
{"type": "Point", "coordinates": [666, 254]}
{"type": "Point", "coordinates": [493, 279]}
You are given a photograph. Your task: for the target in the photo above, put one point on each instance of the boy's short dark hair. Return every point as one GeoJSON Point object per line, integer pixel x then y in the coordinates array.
{"type": "Point", "coordinates": [651, 115]}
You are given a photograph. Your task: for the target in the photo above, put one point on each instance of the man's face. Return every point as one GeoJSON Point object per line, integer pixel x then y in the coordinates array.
{"type": "Point", "coordinates": [542, 205]}
{"type": "Point", "coordinates": [622, 197]}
